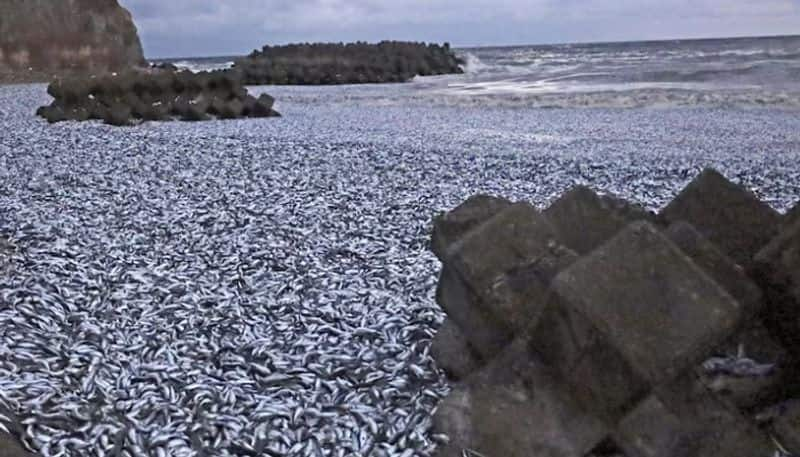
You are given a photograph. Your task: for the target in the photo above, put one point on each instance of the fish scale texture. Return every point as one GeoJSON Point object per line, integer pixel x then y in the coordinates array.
{"type": "Point", "coordinates": [242, 287]}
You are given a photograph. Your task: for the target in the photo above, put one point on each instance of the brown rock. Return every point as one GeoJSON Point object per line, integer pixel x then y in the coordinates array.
{"type": "Point", "coordinates": [727, 214]}
{"type": "Point", "coordinates": [584, 220]}
{"type": "Point", "coordinates": [67, 36]}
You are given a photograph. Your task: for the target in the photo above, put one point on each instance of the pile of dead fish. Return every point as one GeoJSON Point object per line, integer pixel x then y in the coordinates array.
{"type": "Point", "coordinates": [598, 328]}
{"type": "Point", "coordinates": [154, 95]}
{"type": "Point", "coordinates": [220, 300]}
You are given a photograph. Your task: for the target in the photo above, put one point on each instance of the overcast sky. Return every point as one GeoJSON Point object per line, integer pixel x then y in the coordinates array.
{"type": "Point", "coordinates": [178, 28]}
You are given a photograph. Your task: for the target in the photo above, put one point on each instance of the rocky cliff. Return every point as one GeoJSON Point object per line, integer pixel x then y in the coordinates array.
{"type": "Point", "coordinates": [67, 36]}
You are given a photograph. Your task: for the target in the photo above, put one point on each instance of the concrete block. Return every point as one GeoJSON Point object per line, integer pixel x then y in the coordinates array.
{"type": "Point", "coordinates": [496, 277]}
{"type": "Point", "coordinates": [792, 216]}
{"type": "Point", "coordinates": [584, 220]}
{"type": "Point", "coordinates": [729, 215]}
{"type": "Point", "coordinates": [453, 353]}
{"type": "Point", "coordinates": [720, 267]}
{"type": "Point", "coordinates": [785, 426]}
{"type": "Point", "coordinates": [486, 333]}
{"type": "Point", "coordinates": [777, 269]}
{"type": "Point", "coordinates": [631, 315]}
{"type": "Point", "coordinates": [744, 389]}
{"type": "Point", "coordinates": [683, 419]}
{"type": "Point", "coordinates": [449, 227]}
{"type": "Point", "coordinates": [514, 408]}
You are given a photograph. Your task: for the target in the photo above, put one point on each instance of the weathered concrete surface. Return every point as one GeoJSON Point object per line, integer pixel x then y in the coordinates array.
{"type": "Point", "coordinates": [729, 215]}
{"type": "Point", "coordinates": [451, 226]}
{"type": "Point", "coordinates": [651, 344]}
{"type": "Point", "coordinates": [792, 216]}
{"type": "Point", "coordinates": [453, 353]}
{"type": "Point", "coordinates": [777, 269]}
{"type": "Point", "coordinates": [684, 419]}
{"type": "Point", "coordinates": [633, 314]}
{"type": "Point", "coordinates": [786, 426]}
{"type": "Point", "coordinates": [584, 220]}
{"type": "Point", "coordinates": [496, 277]}
{"type": "Point", "coordinates": [716, 264]}
{"type": "Point", "coordinates": [486, 333]}
{"type": "Point", "coordinates": [752, 340]}
{"type": "Point", "coordinates": [66, 36]}
{"type": "Point", "coordinates": [513, 407]}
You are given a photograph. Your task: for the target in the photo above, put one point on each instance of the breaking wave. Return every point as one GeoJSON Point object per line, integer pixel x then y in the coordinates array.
{"type": "Point", "coordinates": [749, 72]}
{"type": "Point", "coordinates": [198, 66]}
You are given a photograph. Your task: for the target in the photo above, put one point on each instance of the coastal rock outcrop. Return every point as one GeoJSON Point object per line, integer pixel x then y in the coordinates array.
{"type": "Point", "coordinates": [67, 36]}
{"type": "Point", "coordinates": [154, 95]}
{"type": "Point", "coordinates": [352, 63]}
{"type": "Point", "coordinates": [644, 337]}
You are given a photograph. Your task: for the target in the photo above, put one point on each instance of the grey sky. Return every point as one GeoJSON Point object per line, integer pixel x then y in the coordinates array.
{"type": "Point", "coordinates": [173, 28]}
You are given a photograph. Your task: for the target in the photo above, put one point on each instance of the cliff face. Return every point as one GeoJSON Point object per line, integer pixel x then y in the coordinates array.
{"type": "Point", "coordinates": [67, 36]}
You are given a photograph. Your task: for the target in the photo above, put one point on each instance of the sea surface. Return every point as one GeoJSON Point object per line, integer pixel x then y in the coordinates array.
{"type": "Point", "coordinates": [741, 72]}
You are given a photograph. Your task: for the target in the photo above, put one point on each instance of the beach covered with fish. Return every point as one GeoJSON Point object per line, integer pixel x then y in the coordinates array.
{"type": "Point", "coordinates": [266, 286]}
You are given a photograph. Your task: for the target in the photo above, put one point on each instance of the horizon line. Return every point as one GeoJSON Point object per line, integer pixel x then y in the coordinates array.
{"type": "Point", "coordinates": [500, 46]}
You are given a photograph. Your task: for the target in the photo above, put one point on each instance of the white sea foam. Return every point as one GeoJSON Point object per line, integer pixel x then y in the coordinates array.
{"type": "Point", "coordinates": [196, 66]}
{"type": "Point", "coordinates": [640, 96]}
{"type": "Point", "coordinates": [473, 64]}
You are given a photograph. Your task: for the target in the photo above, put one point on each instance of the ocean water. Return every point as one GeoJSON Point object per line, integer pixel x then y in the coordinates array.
{"type": "Point", "coordinates": [742, 72]}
